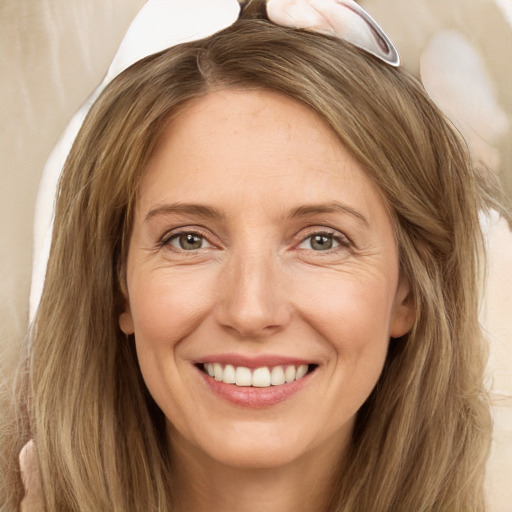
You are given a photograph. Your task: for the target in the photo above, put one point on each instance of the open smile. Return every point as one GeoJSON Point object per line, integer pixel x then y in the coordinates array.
{"type": "Point", "coordinates": [255, 386]}
{"type": "Point", "coordinates": [262, 377]}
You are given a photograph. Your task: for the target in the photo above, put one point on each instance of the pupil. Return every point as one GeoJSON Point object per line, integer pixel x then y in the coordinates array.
{"type": "Point", "coordinates": [190, 241]}
{"type": "Point", "coordinates": [321, 242]}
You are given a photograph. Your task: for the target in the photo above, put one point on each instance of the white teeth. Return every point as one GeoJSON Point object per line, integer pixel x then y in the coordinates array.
{"type": "Point", "coordinates": [229, 374]}
{"type": "Point", "coordinates": [277, 377]}
{"type": "Point", "coordinates": [289, 374]}
{"type": "Point", "coordinates": [301, 371]}
{"type": "Point", "coordinates": [243, 376]}
{"type": "Point", "coordinates": [260, 377]}
{"type": "Point", "coordinates": [217, 368]}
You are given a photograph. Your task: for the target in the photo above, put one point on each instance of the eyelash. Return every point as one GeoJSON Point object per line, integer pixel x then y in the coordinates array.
{"type": "Point", "coordinates": [342, 240]}
{"type": "Point", "coordinates": [169, 236]}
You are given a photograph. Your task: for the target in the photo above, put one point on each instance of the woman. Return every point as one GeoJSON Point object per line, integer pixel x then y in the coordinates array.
{"type": "Point", "coordinates": [262, 290]}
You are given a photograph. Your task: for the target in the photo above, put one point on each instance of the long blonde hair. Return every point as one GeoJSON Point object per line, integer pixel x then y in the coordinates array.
{"type": "Point", "coordinates": [422, 437]}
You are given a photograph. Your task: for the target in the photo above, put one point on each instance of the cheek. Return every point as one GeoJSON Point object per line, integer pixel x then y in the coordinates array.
{"type": "Point", "coordinates": [350, 310]}
{"type": "Point", "coordinates": [353, 320]}
{"type": "Point", "coordinates": [360, 338]}
{"type": "Point", "coordinates": [165, 308]}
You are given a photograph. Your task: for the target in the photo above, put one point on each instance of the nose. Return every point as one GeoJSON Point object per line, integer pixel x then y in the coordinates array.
{"type": "Point", "coordinates": [252, 297]}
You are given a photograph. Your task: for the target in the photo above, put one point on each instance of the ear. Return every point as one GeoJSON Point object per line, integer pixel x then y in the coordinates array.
{"type": "Point", "coordinates": [126, 320]}
{"type": "Point", "coordinates": [404, 310]}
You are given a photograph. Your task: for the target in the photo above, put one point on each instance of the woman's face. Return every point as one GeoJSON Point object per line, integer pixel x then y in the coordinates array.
{"type": "Point", "coordinates": [260, 250]}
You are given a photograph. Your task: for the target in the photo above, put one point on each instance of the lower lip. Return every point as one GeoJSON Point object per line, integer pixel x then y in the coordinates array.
{"type": "Point", "coordinates": [253, 397]}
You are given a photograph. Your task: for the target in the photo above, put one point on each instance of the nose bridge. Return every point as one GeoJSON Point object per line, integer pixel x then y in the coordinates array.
{"type": "Point", "coordinates": [253, 301]}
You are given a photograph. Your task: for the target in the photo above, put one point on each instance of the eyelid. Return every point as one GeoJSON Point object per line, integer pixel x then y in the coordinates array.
{"type": "Point", "coordinates": [182, 230]}
{"type": "Point", "coordinates": [342, 239]}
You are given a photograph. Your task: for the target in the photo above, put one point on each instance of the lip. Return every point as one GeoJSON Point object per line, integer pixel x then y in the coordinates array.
{"type": "Point", "coordinates": [253, 397]}
{"type": "Point", "coordinates": [254, 362]}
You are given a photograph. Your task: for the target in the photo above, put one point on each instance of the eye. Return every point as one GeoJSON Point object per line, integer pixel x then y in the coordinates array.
{"type": "Point", "coordinates": [187, 241]}
{"type": "Point", "coordinates": [321, 242]}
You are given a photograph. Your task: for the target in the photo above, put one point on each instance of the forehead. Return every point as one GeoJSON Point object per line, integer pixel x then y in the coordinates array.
{"type": "Point", "coordinates": [241, 147]}
{"type": "Point", "coordinates": [228, 115]}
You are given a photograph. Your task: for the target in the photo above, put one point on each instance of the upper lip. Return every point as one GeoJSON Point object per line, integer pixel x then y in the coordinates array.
{"type": "Point", "coordinates": [254, 361]}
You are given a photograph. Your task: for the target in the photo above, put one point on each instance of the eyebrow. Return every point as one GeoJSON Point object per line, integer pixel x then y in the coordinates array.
{"type": "Point", "coordinates": [210, 212]}
{"type": "Point", "coordinates": [332, 207]}
{"type": "Point", "coordinates": [198, 210]}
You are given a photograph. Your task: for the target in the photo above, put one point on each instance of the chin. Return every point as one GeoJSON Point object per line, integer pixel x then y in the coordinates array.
{"type": "Point", "coordinates": [247, 445]}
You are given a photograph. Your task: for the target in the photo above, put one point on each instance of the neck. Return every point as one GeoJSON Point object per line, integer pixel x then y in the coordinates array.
{"type": "Point", "coordinates": [205, 485]}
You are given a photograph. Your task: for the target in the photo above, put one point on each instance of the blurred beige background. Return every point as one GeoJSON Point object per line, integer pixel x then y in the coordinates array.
{"type": "Point", "coordinates": [53, 53]}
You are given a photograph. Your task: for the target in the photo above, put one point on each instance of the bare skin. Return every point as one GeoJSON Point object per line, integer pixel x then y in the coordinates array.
{"type": "Point", "coordinates": [259, 242]}
{"type": "Point", "coordinates": [304, 485]}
